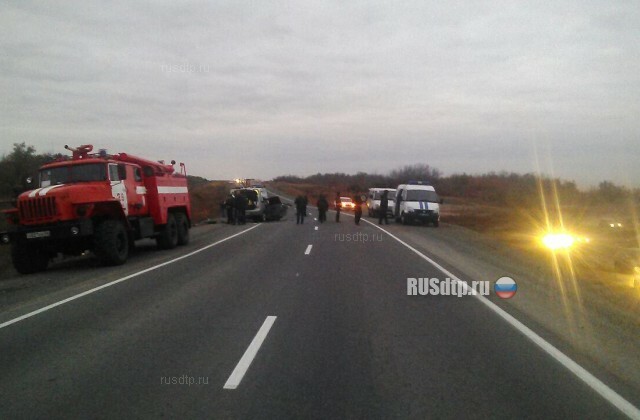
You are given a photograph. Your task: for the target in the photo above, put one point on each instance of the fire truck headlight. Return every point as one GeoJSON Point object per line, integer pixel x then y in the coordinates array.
{"type": "Point", "coordinates": [5, 238]}
{"type": "Point", "coordinates": [75, 230]}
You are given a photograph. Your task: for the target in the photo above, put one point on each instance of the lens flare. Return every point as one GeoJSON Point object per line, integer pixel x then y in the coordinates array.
{"type": "Point", "coordinates": [555, 241]}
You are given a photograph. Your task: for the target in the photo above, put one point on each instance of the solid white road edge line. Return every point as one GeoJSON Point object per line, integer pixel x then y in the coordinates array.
{"type": "Point", "coordinates": [308, 250]}
{"type": "Point", "coordinates": [594, 383]}
{"type": "Point", "coordinates": [248, 356]}
{"type": "Point", "coordinates": [88, 292]}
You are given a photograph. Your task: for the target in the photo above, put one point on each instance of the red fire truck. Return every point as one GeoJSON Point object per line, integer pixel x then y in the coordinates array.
{"type": "Point", "coordinates": [101, 203]}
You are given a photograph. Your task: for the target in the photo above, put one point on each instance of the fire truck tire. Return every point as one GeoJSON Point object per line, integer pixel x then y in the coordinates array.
{"type": "Point", "coordinates": [168, 238]}
{"type": "Point", "coordinates": [111, 242]}
{"type": "Point", "coordinates": [29, 259]}
{"type": "Point", "coordinates": [183, 228]}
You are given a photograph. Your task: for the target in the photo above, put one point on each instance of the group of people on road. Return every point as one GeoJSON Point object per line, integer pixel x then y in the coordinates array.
{"type": "Point", "coordinates": [302, 201]}
{"type": "Point", "coordinates": [236, 207]}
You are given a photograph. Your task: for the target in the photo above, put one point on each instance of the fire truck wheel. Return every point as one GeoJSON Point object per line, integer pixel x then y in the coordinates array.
{"type": "Point", "coordinates": [168, 238]}
{"type": "Point", "coordinates": [111, 242]}
{"type": "Point", "coordinates": [183, 228]}
{"type": "Point", "coordinates": [28, 259]}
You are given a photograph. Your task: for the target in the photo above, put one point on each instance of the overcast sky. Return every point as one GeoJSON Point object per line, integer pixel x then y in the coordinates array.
{"type": "Point", "coordinates": [260, 89]}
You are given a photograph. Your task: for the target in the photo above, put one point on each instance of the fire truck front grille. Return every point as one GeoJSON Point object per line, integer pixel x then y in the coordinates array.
{"type": "Point", "coordinates": [39, 208]}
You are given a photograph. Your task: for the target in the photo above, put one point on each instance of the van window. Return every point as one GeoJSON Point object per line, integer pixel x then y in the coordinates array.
{"type": "Point", "coordinates": [378, 195]}
{"type": "Point", "coordinates": [422, 195]}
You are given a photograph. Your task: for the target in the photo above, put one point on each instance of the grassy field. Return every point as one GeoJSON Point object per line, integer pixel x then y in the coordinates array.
{"type": "Point", "coordinates": [523, 228]}
{"type": "Point", "coordinates": [206, 200]}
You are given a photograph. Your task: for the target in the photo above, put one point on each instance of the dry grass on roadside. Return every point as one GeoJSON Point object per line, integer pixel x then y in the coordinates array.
{"type": "Point", "coordinates": [590, 268]}
{"type": "Point", "coordinates": [207, 198]}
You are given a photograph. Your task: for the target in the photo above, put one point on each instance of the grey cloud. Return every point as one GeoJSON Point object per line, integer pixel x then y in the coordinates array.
{"type": "Point", "coordinates": [330, 86]}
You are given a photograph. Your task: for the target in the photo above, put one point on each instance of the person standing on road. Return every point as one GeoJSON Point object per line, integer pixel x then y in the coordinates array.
{"type": "Point", "coordinates": [241, 208]}
{"type": "Point", "coordinates": [384, 207]}
{"type": "Point", "coordinates": [301, 209]}
{"type": "Point", "coordinates": [229, 205]}
{"type": "Point", "coordinates": [323, 206]}
{"type": "Point", "coordinates": [358, 210]}
{"type": "Point", "coordinates": [338, 205]}
{"type": "Point", "coordinates": [244, 203]}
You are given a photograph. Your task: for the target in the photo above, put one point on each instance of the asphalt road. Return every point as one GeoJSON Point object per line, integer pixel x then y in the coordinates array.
{"type": "Point", "coordinates": [346, 340]}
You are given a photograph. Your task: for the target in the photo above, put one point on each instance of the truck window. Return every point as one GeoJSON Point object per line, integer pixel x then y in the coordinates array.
{"type": "Point", "coordinates": [73, 173]}
{"type": "Point", "coordinates": [114, 174]}
{"type": "Point", "coordinates": [122, 172]}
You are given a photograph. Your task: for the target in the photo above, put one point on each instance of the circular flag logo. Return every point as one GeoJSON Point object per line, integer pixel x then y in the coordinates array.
{"type": "Point", "coordinates": [505, 287]}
